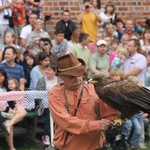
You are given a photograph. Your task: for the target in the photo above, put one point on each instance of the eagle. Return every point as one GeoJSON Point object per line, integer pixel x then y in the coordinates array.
{"type": "Point", "coordinates": [126, 97]}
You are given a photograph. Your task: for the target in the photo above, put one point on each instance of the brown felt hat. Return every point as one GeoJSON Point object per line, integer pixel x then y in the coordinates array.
{"type": "Point", "coordinates": [69, 65]}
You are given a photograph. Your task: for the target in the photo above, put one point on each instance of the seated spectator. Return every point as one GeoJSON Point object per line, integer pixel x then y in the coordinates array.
{"type": "Point", "coordinates": [111, 32]}
{"type": "Point", "coordinates": [124, 40]}
{"type": "Point", "coordinates": [145, 41]}
{"type": "Point", "coordinates": [46, 83]}
{"type": "Point", "coordinates": [119, 58]}
{"type": "Point", "coordinates": [32, 42]}
{"type": "Point", "coordinates": [59, 44]}
{"type": "Point", "coordinates": [147, 74]}
{"type": "Point", "coordinates": [16, 116]}
{"type": "Point", "coordinates": [113, 53]}
{"type": "Point", "coordinates": [80, 50]}
{"type": "Point", "coordinates": [29, 62]}
{"type": "Point", "coordinates": [39, 70]}
{"type": "Point", "coordinates": [12, 69]}
{"type": "Point", "coordinates": [66, 24]}
{"type": "Point", "coordinates": [27, 30]}
{"type": "Point", "coordinates": [99, 63]}
{"type": "Point", "coordinates": [74, 39]}
{"type": "Point", "coordinates": [92, 45]}
{"type": "Point", "coordinates": [47, 46]}
{"type": "Point", "coordinates": [119, 27]}
{"type": "Point", "coordinates": [108, 41]}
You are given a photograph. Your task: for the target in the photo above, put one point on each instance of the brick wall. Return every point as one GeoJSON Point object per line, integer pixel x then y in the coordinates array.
{"type": "Point", "coordinates": [140, 9]}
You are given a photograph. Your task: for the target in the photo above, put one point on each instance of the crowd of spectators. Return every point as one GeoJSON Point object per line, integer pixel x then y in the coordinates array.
{"type": "Point", "coordinates": [101, 38]}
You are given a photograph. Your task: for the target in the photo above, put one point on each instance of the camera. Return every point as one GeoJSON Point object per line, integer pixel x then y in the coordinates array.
{"type": "Point", "coordinates": [6, 16]}
{"type": "Point", "coordinates": [87, 6]}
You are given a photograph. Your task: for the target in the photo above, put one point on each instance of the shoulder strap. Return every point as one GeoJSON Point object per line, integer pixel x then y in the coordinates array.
{"type": "Point", "coordinates": [67, 107]}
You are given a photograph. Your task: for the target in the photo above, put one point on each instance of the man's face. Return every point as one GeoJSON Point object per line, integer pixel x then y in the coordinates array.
{"type": "Point", "coordinates": [102, 49]}
{"type": "Point", "coordinates": [129, 25]}
{"type": "Point", "coordinates": [86, 41]}
{"type": "Point", "coordinates": [131, 48]}
{"type": "Point", "coordinates": [32, 18]}
{"type": "Point", "coordinates": [72, 83]}
{"type": "Point", "coordinates": [119, 26]}
{"type": "Point", "coordinates": [59, 37]}
{"type": "Point", "coordinates": [9, 56]}
{"type": "Point", "coordinates": [66, 16]}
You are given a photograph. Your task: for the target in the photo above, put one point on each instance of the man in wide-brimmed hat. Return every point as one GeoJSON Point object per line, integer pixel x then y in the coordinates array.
{"type": "Point", "coordinates": [75, 106]}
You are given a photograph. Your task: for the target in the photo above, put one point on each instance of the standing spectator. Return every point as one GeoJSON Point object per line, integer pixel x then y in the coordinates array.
{"type": "Point", "coordinates": [59, 44]}
{"type": "Point", "coordinates": [66, 24]}
{"type": "Point", "coordinates": [80, 50]}
{"type": "Point", "coordinates": [108, 16]}
{"type": "Point", "coordinates": [136, 120]}
{"type": "Point", "coordinates": [5, 12]}
{"type": "Point", "coordinates": [88, 20]}
{"type": "Point", "coordinates": [12, 69]}
{"type": "Point", "coordinates": [77, 125]}
{"type": "Point", "coordinates": [27, 29]}
{"type": "Point", "coordinates": [18, 18]}
{"type": "Point", "coordinates": [32, 42]}
{"type": "Point", "coordinates": [99, 62]}
{"type": "Point", "coordinates": [33, 6]}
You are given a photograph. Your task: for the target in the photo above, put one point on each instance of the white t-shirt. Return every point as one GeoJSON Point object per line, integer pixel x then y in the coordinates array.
{"type": "Point", "coordinates": [7, 11]}
{"type": "Point", "coordinates": [26, 31]}
{"type": "Point", "coordinates": [104, 17]}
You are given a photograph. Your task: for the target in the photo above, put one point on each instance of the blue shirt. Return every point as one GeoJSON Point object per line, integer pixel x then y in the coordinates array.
{"type": "Point", "coordinates": [15, 72]}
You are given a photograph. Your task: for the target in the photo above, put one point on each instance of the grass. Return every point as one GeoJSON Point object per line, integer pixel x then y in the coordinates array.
{"type": "Point", "coordinates": [20, 144]}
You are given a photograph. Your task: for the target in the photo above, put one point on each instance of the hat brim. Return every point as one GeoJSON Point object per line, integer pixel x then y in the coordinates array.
{"type": "Point", "coordinates": [74, 72]}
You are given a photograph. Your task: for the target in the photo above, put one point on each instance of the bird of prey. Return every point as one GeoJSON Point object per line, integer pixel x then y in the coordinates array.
{"type": "Point", "coordinates": [125, 96]}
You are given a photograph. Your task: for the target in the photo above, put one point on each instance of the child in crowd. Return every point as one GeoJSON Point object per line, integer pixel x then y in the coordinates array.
{"type": "Point", "coordinates": [29, 61]}
{"type": "Point", "coordinates": [119, 58]}
{"type": "Point", "coordinates": [113, 53]}
{"type": "Point", "coordinates": [136, 120]}
{"type": "Point", "coordinates": [117, 75]}
{"type": "Point", "coordinates": [13, 85]}
{"type": "Point", "coordinates": [18, 18]}
{"type": "Point", "coordinates": [92, 45]}
{"type": "Point", "coordinates": [9, 40]}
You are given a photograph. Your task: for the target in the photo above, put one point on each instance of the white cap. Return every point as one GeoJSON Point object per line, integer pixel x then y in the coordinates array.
{"type": "Point", "coordinates": [100, 42]}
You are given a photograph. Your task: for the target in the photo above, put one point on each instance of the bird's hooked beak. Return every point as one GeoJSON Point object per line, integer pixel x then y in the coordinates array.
{"type": "Point", "coordinates": [92, 81]}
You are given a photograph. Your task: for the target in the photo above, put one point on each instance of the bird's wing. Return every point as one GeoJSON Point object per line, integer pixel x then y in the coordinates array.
{"type": "Point", "coordinates": [126, 97]}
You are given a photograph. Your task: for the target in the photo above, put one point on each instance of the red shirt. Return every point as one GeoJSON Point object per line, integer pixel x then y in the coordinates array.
{"type": "Point", "coordinates": [18, 15]}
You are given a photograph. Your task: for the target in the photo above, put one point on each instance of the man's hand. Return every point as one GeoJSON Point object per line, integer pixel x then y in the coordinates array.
{"type": "Point", "coordinates": [104, 123]}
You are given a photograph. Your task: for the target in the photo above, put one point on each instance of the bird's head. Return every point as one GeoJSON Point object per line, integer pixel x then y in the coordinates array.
{"type": "Point", "coordinates": [98, 80]}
